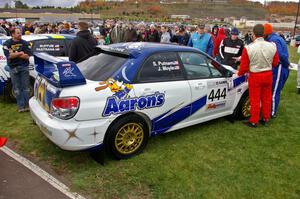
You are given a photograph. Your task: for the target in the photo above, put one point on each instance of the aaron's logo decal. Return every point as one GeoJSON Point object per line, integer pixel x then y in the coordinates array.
{"type": "Point", "coordinates": [116, 106]}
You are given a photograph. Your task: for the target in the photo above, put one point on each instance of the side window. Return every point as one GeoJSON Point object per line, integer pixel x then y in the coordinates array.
{"type": "Point", "coordinates": [161, 67]}
{"type": "Point", "coordinates": [196, 65]}
{"type": "Point", "coordinates": [54, 47]}
{"type": "Point", "coordinates": [213, 65]}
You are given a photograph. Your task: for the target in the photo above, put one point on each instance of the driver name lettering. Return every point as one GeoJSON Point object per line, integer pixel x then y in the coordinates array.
{"type": "Point", "coordinates": [166, 66]}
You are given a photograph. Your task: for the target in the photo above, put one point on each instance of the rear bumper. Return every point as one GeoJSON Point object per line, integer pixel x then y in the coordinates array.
{"type": "Point", "coordinates": [70, 134]}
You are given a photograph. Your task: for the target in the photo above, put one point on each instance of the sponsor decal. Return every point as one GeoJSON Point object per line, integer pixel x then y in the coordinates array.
{"type": "Point", "coordinates": [121, 102]}
{"type": "Point", "coordinates": [68, 72]}
{"type": "Point", "coordinates": [16, 47]}
{"type": "Point", "coordinates": [119, 89]}
{"type": "Point", "coordinates": [215, 105]}
{"type": "Point", "coordinates": [48, 47]}
{"type": "Point", "coordinates": [116, 106]}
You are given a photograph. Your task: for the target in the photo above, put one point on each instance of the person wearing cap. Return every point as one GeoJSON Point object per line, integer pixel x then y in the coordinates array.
{"type": "Point", "coordinates": [202, 40]}
{"type": "Point", "coordinates": [280, 73]}
{"type": "Point", "coordinates": [231, 49]}
{"type": "Point", "coordinates": [82, 47]}
{"type": "Point", "coordinates": [257, 59]}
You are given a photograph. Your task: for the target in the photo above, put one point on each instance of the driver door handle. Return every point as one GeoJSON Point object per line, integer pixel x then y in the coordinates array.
{"type": "Point", "coordinates": [147, 91]}
{"type": "Point", "coordinates": [199, 86]}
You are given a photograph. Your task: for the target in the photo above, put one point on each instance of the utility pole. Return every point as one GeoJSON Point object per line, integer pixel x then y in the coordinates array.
{"type": "Point", "coordinates": [296, 18]}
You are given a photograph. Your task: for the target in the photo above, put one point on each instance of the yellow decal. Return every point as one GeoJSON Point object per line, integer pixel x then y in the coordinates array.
{"type": "Point", "coordinates": [57, 37]}
{"type": "Point", "coordinates": [119, 89]}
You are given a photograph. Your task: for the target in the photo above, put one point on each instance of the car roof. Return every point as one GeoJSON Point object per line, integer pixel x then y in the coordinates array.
{"type": "Point", "coordinates": [135, 48]}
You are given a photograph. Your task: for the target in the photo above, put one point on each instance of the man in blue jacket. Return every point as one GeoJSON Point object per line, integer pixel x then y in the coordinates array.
{"type": "Point", "coordinates": [202, 40]}
{"type": "Point", "coordinates": [280, 73]}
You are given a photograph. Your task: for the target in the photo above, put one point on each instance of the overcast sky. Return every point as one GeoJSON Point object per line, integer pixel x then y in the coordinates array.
{"type": "Point", "coordinates": [68, 3]}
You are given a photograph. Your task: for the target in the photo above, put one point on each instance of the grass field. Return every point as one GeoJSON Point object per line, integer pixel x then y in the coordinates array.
{"type": "Point", "coordinates": [217, 159]}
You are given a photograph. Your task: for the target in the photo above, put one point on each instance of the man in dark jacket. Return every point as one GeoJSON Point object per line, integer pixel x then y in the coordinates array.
{"type": "Point", "coordinates": [130, 34]}
{"type": "Point", "coordinates": [17, 52]}
{"type": "Point", "coordinates": [152, 34]}
{"type": "Point", "coordinates": [83, 45]}
{"type": "Point", "coordinates": [231, 49]}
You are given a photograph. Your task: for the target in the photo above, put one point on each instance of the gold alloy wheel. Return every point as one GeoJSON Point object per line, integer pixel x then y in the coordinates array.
{"type": "Point", "coordinates": [246, 108]}
{"type": "Point", "coordinates": [129, 138]}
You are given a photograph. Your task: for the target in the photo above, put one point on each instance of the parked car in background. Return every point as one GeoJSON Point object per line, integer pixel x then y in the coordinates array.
{"type": "Point", "coordinates": [53, 44]}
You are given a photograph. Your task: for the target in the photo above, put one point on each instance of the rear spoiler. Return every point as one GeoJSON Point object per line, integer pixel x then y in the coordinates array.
{"type": "Point", "coordinates": [58, 72]}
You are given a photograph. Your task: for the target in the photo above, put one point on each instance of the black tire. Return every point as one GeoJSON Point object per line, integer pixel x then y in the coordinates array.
{"type": "Point", "coordinates": [298, 90]}
{"type": "Point", "coordinates": [127, 137]}
{"type": "Point", "coordinates": [242, 110]}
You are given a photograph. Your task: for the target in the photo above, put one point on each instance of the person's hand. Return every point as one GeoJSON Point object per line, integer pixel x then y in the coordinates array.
{"type": "Point", "coordinates": [237, 59]}
{"type": "Point", "coordinates": [237, 73]}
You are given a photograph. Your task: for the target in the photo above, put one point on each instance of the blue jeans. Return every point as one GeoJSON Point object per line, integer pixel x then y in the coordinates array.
{"type": "Point", "coordinates": [20, 82]}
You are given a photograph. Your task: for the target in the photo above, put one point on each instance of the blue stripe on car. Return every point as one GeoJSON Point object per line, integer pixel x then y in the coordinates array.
{"type": "Point", "coordinates": [161, 124]}
{"type": "Point", "coordinates": [238, 81]}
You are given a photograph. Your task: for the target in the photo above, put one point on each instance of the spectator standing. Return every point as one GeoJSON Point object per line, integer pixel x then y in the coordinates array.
{"type": "Point", "coordinates": [117, 34]}
{"type": "Point", "coordinates": [231, 49]}
{"type": "Point", "coordinates": [130, 34]}
{"type": "Point", "coordinates": [202, 41]}
{"type": "Point", "coordinates": [165, 36]}
{"type": "Point", "coordinates": [181, 37]}
{"type": "Point", "coordinates": [248, 38]}
{"type": "Point", "coordinates": [66, 29]}
{"type": "Point", "coordinates": [215, 30]}
{"type": "Point", "coordinates": [82, 47]}
{"type": "Point", "coordinates": [142, 35]}
{"type": "Point", "coordinates": [17, 52]}
{"type": "Point", "coordinates": [280, 73]}
{"type": "Point", "coordinates": [152, 34]}
{"type": "Point", "coordinates": [219, 39]}
{"type": "Point", "coordinates": [257, 60]}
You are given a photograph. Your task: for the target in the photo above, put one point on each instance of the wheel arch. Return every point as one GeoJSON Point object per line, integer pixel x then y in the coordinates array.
{"type": "Point", "coordinates": [143, 116]}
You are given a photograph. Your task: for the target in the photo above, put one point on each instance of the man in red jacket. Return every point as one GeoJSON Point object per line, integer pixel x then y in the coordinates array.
{"type": "Point", "coordinates": [257, 59]}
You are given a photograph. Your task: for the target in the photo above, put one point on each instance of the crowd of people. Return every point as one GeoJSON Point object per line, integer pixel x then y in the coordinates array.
{"type": "Point", "coordinates": [263, 55]}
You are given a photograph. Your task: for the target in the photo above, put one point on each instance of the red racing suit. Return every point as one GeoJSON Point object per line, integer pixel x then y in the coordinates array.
{"type": "Point", "coordinates": [258, 58]}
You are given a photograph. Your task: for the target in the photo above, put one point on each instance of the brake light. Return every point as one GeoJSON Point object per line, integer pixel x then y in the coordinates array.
{"type": "Point", "coordinates": [64, 108]}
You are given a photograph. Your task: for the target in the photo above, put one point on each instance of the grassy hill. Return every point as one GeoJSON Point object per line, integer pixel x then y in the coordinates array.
{"type": "Point", "coordinates": [194, 9]}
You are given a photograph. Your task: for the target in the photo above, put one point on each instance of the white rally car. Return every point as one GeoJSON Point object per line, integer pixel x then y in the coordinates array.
{"type": "Point", "coordinates": [53, 44]}
{"type": "Point", "coordinates": [129, 92]}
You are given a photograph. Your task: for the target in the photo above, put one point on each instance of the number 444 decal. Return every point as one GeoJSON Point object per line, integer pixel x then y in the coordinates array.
{"type": "Point", "coordinates": [217, 94]}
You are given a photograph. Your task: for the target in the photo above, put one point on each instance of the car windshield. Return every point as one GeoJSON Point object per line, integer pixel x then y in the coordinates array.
{"type": "Point", "coordinates": [101, 67]}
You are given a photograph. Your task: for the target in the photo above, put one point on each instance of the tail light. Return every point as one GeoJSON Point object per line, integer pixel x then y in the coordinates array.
{"type": "Point", "coordinates": [64, 108]}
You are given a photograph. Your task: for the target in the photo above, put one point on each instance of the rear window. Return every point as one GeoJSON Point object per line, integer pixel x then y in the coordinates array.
{"type": "Point", "coordinates": [101, 67]}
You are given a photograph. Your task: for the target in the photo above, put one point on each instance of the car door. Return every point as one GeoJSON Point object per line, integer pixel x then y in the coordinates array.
{"type": "Point", "coordinates": [208, 86]}
{"type": "Point", "coordinates": [162, 74]}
